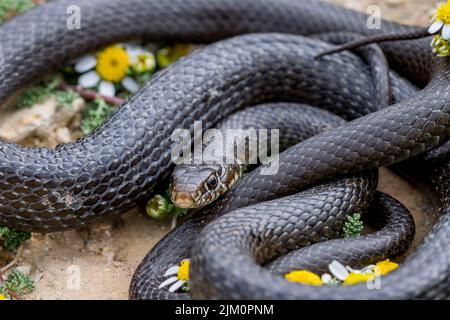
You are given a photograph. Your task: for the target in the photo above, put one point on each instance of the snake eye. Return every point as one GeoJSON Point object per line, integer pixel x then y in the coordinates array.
{"type": "Point", "coordinates": [211, 183]}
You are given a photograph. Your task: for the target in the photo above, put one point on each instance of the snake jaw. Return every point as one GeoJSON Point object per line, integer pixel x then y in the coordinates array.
{"type": "Point", "coordinates": [183, 200]}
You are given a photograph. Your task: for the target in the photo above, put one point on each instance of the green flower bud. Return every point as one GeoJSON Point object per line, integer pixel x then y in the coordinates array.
{"type": "Point", "coordinates": [159, 207]}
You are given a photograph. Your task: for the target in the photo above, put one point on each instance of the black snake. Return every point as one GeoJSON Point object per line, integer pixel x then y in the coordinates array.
{"type": "Point", "coordinates": [120, 164]}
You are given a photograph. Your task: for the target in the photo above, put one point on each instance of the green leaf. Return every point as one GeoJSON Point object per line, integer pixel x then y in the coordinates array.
{"type": "Point", "coordinates": [33, 96]}
{"type": "Point", "coordinates": [11, 7]}
{"type": "Point", "coordinates": [185, 287]}
{"type": "Point", "coordinates": [17, 282]}
{"type": "Point", "coordinates": [40, 93]}
{"type": "Point", "coordinates": [65, 98]}
{"type": "Point", "coordinates": [12, 239]}
{"type": "Point", "coordinates": [94, 115]}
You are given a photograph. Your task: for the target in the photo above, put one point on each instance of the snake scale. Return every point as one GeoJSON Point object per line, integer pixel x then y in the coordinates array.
{"type": "Point", "coordinates": [120, 164]}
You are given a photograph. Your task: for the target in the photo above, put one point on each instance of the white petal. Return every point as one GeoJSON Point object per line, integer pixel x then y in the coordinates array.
{"type": "Point", "coordinates": [171, 271]}
{"type": "Point", "coordinates": [326, 278]}
{"type": "Point", "coordinates": [133, 50]}
{"type": "Point", "coordinates": [85, 63]}
{"type": "Point", "coordinates": [338, 270]}
{"type": "Point", "coordinates": [435, 27]}
{"type": "Point", "coordinates": [446, 32]}
{"type": "Point", "coordinates": [165, 283]}
{"type": "Point", "coordinates": [89, 80]}
{"type": "Point", "coordinates": [130, 84]}
{"type": "Point", "coordinates": [368, 269]}
{"type": "Point", "coordinates": [177, 285]}
{"type": "Point", "coordinates": [107, 89]}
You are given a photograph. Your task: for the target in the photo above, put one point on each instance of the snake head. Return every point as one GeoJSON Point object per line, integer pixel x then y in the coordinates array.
{"type": "Point", "coordinates": [195, 186]}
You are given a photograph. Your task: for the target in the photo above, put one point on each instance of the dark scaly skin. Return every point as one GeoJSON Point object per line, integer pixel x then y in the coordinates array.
{"type": "Point", "coordinates": [394, 237]}
{"type": "Point", "coordinates": [424, 275]}
{"type": "Point", "coordinates": [233, 247]}
{"type": "Point", "coordinates": [295, 123]}
{"type": "Point", "coordinates": [377, 61]}
{"type": "Point", "coordinates": [405, 286]}
{"type": "Point", "coordinates": [176, 245]}
{"type": "Point", "coordinates": [190, 185]}
{"type": "Point", "coordinates": [104, 174]}
{"type": "Point", "coordinates": [392, 241]}
{"type": "Point", "coordinates": [45, 30]}
{"type": "Point", "coordinates": [139, 287]}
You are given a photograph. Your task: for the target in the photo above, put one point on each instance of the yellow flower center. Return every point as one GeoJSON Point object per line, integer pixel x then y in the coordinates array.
{"type": "Point", "coordinates": [2, 297]}
{"type": "Point", "coordinates": [386, 266]}
{"type": "Point", "coordinates": [354, 278]}
{"type": "Point", "coordinates": [304, 277]}
{"type": "Point", "coordinates": [183, 271]}
{"type": "Point", "coordinates": [112, 63]}
{"type": "Point", "coordinates": [443, 13]}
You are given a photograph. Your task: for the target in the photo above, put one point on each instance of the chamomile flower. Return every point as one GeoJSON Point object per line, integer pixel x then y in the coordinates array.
{"type": "Point", "coordinates": [342, 275]}
{"type": "Point", "coordinates": [327, 279]}
{"type": "Point", "coordinates": [143, 62]}
{"type": "Point", "coordinates": [350, 276]}
{"type": "Point", "coordinates": [179, 276]}
{"type": "Point", "coordinates": [109, 67]}
{"type": "Point", "coordinates": [440, 27]}
{"type": "Point", "coordinates": [441, 21]}
{"type": "Point", "coordinates": [338, 270]}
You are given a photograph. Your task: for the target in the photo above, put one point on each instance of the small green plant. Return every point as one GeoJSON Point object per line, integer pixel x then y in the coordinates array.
{"type": "Point", "coordinates": [8, 8]}
{"type": "Point", "coordinates": [15, 285]}
{"type": "Point", "coordinates": [185, 287]}
{"type": "Point", "coordinates": [34, 95]}
{"type": "Point", "coordinates": [94, 115]}
{"type": "Point", "coordinates": [11, 239]}
{"type": "Point", "coordinates": [353, 226]}
{"type": "Point", "coordinates": [66, 98]}
{"type": "Point", "coordinates": [39, 93]}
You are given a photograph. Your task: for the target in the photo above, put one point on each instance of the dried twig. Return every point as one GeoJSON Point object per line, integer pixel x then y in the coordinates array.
{"type": "Point", "coordinates": [91, 95]}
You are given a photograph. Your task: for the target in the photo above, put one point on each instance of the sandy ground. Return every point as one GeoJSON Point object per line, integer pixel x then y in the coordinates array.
{"type": "Point", "coordinates": [98, 262]}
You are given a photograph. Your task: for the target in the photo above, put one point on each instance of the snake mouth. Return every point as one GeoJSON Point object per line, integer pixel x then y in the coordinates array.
{"type": "Point", "coordinates": [183, 200]}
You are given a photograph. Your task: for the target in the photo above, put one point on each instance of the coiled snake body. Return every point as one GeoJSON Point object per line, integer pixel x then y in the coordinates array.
{"type": "Point", "coordinates": [107, 172]}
